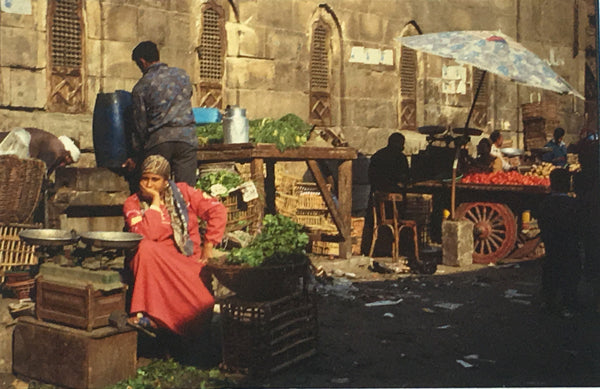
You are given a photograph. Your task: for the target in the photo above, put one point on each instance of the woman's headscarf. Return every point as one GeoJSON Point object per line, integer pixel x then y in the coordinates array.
{"type": "Point", "coordinates": [176, 206]}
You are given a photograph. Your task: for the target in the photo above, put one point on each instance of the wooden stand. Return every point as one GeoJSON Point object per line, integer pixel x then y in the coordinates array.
{"type": "Point", "coordinates": [73, 358]}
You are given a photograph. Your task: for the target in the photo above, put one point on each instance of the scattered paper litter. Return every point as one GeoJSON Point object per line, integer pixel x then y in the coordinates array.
{"type": "Point", "coordinates": [428, 310]}
{"type": "Point", "coordinates": [388, 314]}
{"type": "Point", "coordinates": [519, 301]}
{"type": "Point", "coordinates": [443, 327]}
{"type": "Point", "coordinates": [449, 306]}
{"type": "Point", "coordinates": [510, 293]}
{"type": "Point", "coordinates": [463, 363]}
{"type": "Point", "coordinates": [383, 302]}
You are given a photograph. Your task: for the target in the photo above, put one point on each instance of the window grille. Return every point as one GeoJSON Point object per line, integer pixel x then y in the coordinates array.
{"type": "Point", "coordinates": [66, 58]}
{"type": "Point", "coordinates": [66, 34]}
{"type": "Point", "coordinates": [319, 69]}
{"type": "Point", "coordinates": [211, 62]}
{"type": "Point", "coordinates": [408, 72]}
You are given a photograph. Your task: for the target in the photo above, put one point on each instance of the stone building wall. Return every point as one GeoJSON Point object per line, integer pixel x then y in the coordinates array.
{"type": "Point", "coordinates": [267, 59]}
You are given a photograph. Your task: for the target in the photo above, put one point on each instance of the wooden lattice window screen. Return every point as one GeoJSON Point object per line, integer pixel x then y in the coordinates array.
{"type": "Point", "coordinates": [320, 95]}
{"type": "Point", "coordinates": [408, 88]}
{"type": "Point", "coordinates": [480, 111]}
{"type": "Point", "coordinates": [65, 29]}
{"type": "Point", "coordinates": [211, 54]}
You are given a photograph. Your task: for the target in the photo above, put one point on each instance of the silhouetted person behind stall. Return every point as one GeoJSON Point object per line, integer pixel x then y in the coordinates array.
{"type": "Point", "coordinates": [388, 172]}
{"type": "Point", "coordinates": [388, 167]}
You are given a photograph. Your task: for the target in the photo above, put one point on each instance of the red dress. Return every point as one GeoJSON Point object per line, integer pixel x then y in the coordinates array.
{"type": "Point", "coordinates": [167, 283]}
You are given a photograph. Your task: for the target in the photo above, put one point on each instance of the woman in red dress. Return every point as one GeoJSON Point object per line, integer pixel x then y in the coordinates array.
{"type": "Point", "coordinates": [168, 289]}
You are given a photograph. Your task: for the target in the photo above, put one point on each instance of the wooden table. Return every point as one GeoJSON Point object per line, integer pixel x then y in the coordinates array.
{"type": "Point", "coordinates": [266, 153]}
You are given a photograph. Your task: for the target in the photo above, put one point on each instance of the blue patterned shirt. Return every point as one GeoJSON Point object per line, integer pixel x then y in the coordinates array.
{"type": "Point", "coordinates": [162, 109]}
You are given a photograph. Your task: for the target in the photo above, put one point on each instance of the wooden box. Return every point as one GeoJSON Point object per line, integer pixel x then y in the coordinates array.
{"type": "Point", "coordinates": [73, 358]}
{"type": "Point", "coordinates": [76, 306]}
{"type": "Point", "coordinates": [261, 338]}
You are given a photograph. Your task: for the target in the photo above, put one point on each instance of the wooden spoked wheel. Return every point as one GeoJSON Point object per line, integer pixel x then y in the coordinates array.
{"type": "Point", "coordinates": [494, 230]}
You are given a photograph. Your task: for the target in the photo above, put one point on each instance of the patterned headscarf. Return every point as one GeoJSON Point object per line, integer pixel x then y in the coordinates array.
{"type": "Point", "coordinates": [157, 164]}
{"type": "Point", "coordinates": [176, 206]}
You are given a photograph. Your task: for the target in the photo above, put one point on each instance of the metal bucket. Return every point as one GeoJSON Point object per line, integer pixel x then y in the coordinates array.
{"type": "Point", "coordinates": [235, 125]}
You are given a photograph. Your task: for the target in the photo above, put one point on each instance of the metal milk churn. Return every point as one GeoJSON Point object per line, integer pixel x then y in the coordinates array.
{"type": "Point", "coordinates": [235, 125]}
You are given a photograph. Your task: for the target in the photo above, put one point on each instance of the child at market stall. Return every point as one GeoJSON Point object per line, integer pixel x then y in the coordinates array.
{"type": "Point", "coordinates": [561, 234]}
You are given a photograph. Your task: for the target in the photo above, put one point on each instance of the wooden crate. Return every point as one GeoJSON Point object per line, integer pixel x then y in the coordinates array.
{"type": "Point", "coordinates": [73, 358]}
{"type": "Point", "coordinates": [262, 338]}
{"type": "Point", "coordinates": [76, 306]}
{"type": "Point", "coordinates": [15, 253]}
{"type": "Point", "coordinates": [239, 213]}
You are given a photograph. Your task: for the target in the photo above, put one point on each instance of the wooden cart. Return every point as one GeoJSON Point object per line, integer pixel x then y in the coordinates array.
{"type": "Point", "coordinates": [495, 211]}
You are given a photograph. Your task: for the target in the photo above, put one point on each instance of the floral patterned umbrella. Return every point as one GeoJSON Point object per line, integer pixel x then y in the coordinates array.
{"type": "Point", "coordinates": [493, 52]}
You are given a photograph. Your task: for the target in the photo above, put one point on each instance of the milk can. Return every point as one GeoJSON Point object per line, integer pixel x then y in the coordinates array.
{"type": "Point", "coordinates": [235, 125]}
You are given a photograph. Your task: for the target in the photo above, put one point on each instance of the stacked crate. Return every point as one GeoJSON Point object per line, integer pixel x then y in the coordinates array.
{"type": "Point", "coordinates": [303, 203]}
{"type": "Point", "coordinates": [261, 338]}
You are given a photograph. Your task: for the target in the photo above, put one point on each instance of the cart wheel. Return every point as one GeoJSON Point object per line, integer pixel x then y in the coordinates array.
{"type": "Point", "coordinates": [494, 231]}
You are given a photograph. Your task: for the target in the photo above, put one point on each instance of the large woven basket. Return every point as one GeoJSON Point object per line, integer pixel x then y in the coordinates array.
{"type": "Point", "coordinates": [261, 283]}
{"type": "Point", "coordinates": [20, 188]}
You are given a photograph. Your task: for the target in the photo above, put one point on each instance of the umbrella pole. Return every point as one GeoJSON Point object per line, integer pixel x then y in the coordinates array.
{"type": "Point", "coordinates": [458, 147]}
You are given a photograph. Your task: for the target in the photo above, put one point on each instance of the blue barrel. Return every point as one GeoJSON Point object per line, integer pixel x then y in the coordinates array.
{"type": "Point", "coordinates": [112, 126]}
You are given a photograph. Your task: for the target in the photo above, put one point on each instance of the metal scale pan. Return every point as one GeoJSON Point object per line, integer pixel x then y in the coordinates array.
{"type": "Point", "coordinates": [111, 239]}
{"type": "Point", "coordinates": [49, 237]}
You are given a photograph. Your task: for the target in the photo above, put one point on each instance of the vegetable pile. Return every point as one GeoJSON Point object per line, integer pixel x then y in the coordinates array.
{"type": "Point", "coordinates": [219, 183]}
{"type": "Point", "coordinates": [289, 131]}
{"type": "Point", "coordinates": [505, 178]}
{"type": "Point", "coordinates": [279, 240]}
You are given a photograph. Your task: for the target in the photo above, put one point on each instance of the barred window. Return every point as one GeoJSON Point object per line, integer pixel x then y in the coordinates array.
{"type": "Point", "coordinates": [65, 34]}
{"type": "Point", "coordinates": [408, 72]}
{"type": "Point", "coordinates": [319, 60]}
{"type": "Point", "coordinates": [211, 62]}
{"type": "Point", "coordinates": [65, 56]}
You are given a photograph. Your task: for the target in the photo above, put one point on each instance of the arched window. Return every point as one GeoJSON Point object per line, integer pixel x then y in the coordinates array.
{"type": "Point", "coordinates": [211, 54]}
{"type": "Point", "coordinates": [65, 40]}
{"type": "Point", "coordinates": [407, 102]}
{"type": "Point", "coordinates": [320, 74]}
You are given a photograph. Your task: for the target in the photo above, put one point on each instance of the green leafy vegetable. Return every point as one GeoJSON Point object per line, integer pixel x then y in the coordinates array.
{"type": "Point", "coordinates": [279, 239]}
{"type": "Point", "coordinates": [168, 374]}
{"type": "Point", "coordinates": [227, 178]}
{"type": "Point", "coordinates": [289, 131]}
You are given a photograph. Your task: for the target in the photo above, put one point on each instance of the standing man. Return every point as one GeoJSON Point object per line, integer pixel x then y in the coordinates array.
{"type": "Point", "coordinates": [162, 114]}
{"type": "Point", "coordinates": [558, 155]}
{"type": "Point", "coordinates": [497, 139]}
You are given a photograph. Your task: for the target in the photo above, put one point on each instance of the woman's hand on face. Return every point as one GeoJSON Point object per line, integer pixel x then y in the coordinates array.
{"type": "Point", "coordinates": [150, 193]}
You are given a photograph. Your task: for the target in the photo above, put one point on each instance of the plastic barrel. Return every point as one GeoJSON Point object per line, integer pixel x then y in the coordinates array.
{"type": "Point", "coordinates": [112, 128]}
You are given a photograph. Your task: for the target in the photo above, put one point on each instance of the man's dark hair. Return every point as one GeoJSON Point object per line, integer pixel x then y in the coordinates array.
{"type": "Point", "coordinates": [146, 50]}
{"type": "Point", "coordinates": [560, 180]}
{"type": "Point", "coordinates": [495, 135]}
{"type": "Point", "coordinates": [558, 133]}
{"type": "Point", "coordinates": [396, 140]}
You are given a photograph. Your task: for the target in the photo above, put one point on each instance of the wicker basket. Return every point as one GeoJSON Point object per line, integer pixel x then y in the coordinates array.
{"type": "Point", "coordinates": [239, 213]}
{"type": "Point", "coordinates": [262, 282]}
{"type": "Point", "coordinates": [21, 187]}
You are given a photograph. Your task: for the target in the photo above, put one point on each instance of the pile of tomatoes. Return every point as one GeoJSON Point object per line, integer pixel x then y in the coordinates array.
{"type": "Point", "coordinates": [504, 178]}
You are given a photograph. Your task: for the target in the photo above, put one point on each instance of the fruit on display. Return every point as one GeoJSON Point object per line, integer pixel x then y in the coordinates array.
{"type": "Point", "coordinates": [505, 178]}
{"type": "Point", "coordinates": [541, 170]}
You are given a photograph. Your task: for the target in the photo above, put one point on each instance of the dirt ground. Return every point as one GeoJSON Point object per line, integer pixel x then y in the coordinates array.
{"type": "Point", "coordinates": [479, 326]}
{"type": "Point", "coordinates": [475, 326]}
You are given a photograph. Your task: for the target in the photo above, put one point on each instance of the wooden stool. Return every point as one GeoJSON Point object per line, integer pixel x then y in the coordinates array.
{"type": "Point", "coordinates": [381, 201]}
